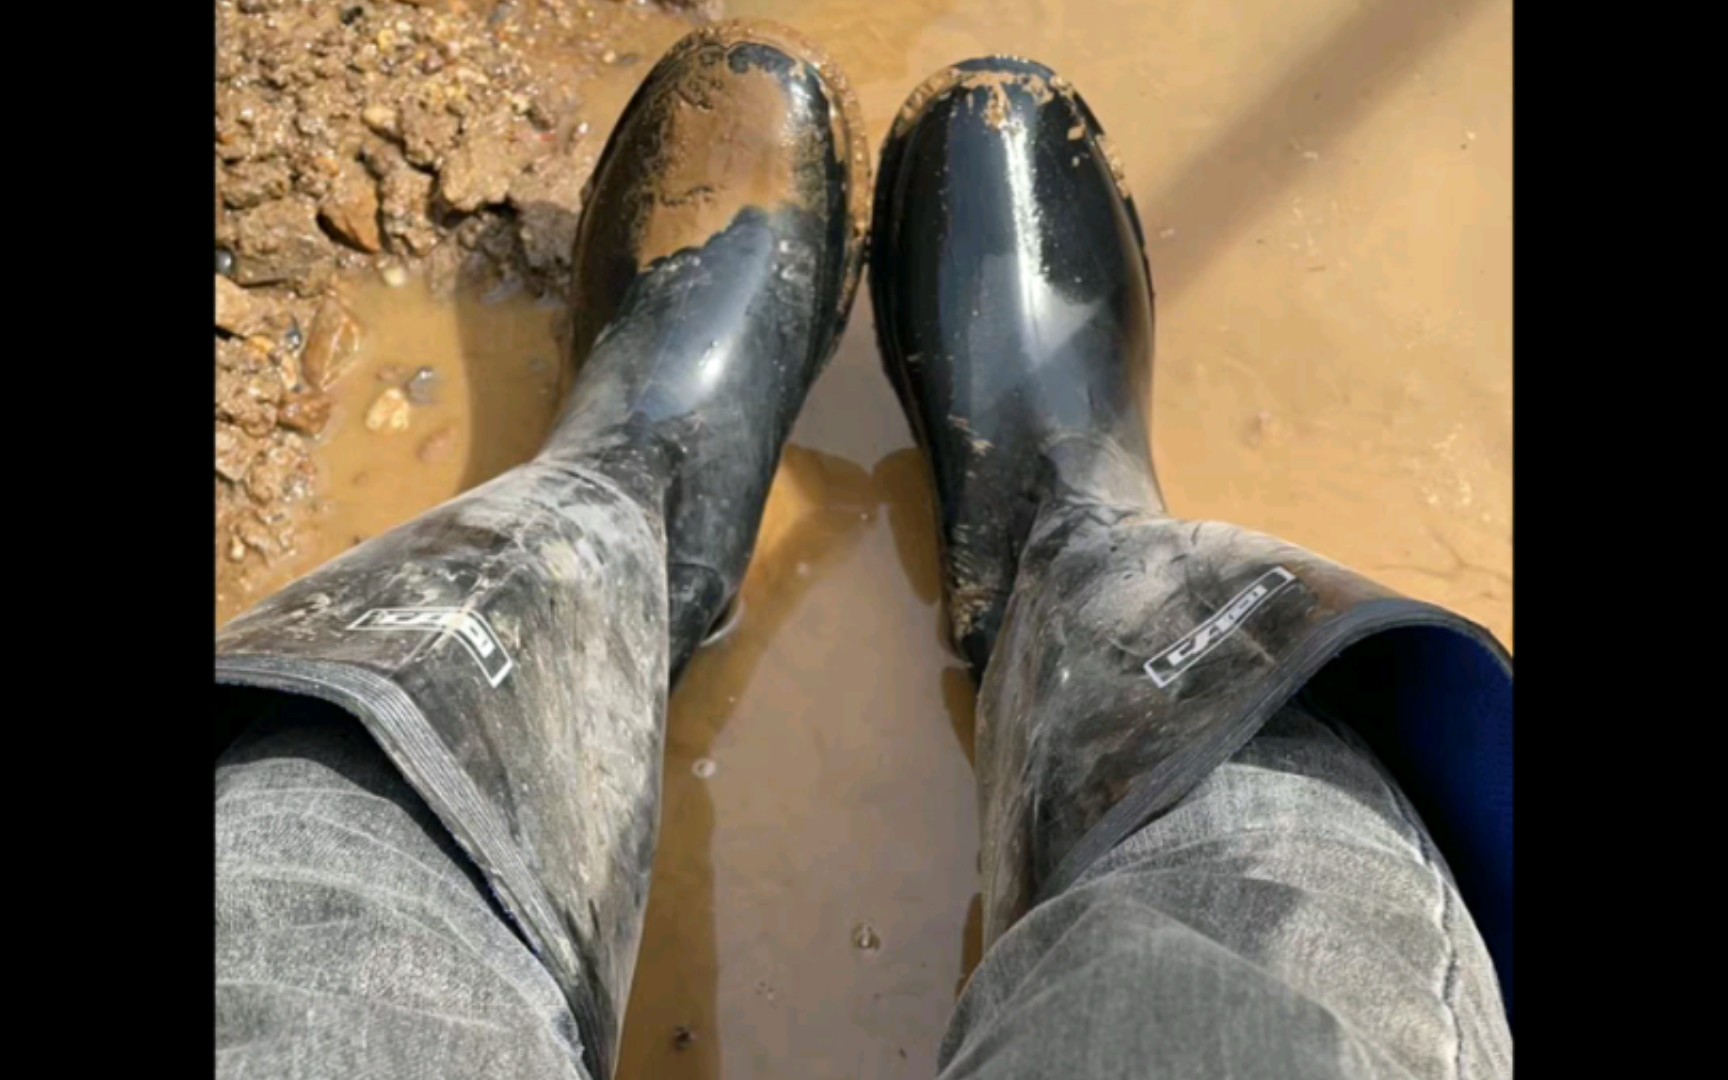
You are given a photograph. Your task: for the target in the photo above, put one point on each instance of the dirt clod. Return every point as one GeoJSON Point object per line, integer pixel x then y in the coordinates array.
{"type": "Point", "coordinates": [280, 242]}
{"type": "Point", "coordinates": [415, 139]}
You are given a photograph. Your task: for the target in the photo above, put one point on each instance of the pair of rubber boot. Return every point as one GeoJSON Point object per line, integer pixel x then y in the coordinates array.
{"type": "Point", "coordinates": [512, 650]}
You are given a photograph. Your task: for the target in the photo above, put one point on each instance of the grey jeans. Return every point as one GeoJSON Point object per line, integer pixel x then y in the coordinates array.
{"type": "Point", "coordinates": [1290, 918]}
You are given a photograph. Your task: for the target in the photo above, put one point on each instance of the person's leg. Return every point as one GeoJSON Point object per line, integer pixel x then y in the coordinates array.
{"type": "Point", "coordinates": [352, 937]}
{"type": "Point", "coordinates": [1180, 889]}
{"type": "Point", "coordinates": [1289, 918]}
{"type": "Point", "coordinates": [510, 652]}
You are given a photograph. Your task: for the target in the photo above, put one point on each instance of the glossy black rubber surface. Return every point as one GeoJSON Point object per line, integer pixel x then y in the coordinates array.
{"type": "Point", "coordinates": [716, 263]}
{"type": "Point", "coordinates": [1014, 313]}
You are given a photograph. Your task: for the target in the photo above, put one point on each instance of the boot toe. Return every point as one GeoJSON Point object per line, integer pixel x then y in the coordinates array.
{"type": "Point", "coordinates": [719, 251]}
{"type": "Point", "coordinates": [1013, 310]}
{"type": "Point", "coordinates": [736, 118]}
{"type": "Point", "coordinates": [1001, 154]}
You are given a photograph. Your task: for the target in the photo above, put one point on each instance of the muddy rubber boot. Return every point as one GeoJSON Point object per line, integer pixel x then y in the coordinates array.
{"type": "Point", "coordinates": [512, 649]}
{"type": "Point", "coordinates": [1124, 654]}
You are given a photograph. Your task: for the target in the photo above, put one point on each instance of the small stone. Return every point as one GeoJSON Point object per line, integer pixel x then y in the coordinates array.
{"type": "Point", "coordinates": [395, 275]}
{"type": "Point", "coordinates": [288, 366]}
{"type": "Point", "coordinates": [390, 413]}
{"type": "Point", "coordinates": [237, 311]}
{"type": "Point", "coordinates": [224, 261]}
{"type": "Point", "coordinates": [864, 937]}
{"type": "Point", "coordinates": [305, 413]}
{"type": "Point", "coordinates": [703, 768]}
{"type": "Point", "coordinates": [330, 345]}
{"type": "Point", "coordinates": [423, 386]}
{"type": "Point", "coordinates": [351, 209]}
{"type": "Point", "coordinates": [382, 119]}
{"type": "Point", "coordinates": [236, 549]}
{"type": "Point", "coordinates": [235, 452]}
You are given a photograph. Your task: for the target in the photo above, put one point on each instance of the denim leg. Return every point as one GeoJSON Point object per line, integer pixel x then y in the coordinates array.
{"type": "Point", "coordinates": [352, 937]}
{"type": "Point", "coordinates": [1289, 918]}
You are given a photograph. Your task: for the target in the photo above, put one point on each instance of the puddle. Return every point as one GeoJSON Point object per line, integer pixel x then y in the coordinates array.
{"type": "Point", "coordinates": [490, 399]}
{"type": "Point", "coordinates": [1326, 190]}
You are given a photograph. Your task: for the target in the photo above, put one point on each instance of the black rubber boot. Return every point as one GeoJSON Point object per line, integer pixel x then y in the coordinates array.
{"type": "Point", "coordinates": [512, 650]}
{"type": "Point", "coordinates": [1123, 654]}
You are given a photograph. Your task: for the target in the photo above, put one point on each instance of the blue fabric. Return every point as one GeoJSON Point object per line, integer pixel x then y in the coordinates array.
{"type": "Point", "coordinates": [1436, 705]}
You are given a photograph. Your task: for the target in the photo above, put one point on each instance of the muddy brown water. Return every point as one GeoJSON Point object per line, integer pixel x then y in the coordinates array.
{"type": "Point", "coordinates": [1325, 188]}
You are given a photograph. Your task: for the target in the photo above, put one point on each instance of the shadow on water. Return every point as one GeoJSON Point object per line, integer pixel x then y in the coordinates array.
{"type": "Point", "coordinates": [820, 507]}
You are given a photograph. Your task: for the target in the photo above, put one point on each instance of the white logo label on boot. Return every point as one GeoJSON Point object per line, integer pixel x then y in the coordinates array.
{"type": "Point", "coordinates": [468, 627]}
{"type": "Point", "coordinates": [1168, 666]}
